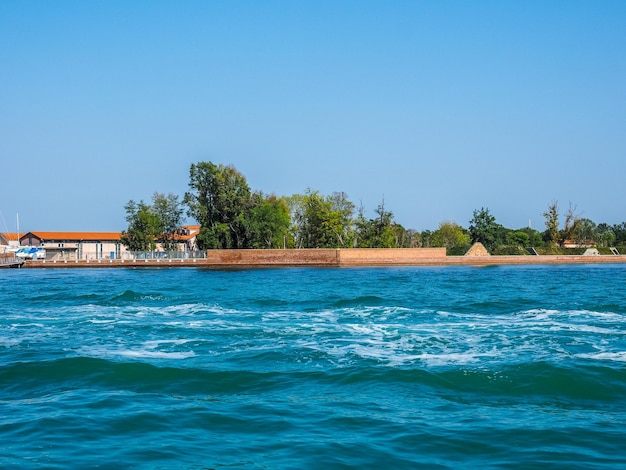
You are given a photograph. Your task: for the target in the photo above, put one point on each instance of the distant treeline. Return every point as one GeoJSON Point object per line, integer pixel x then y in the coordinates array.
{"type": "Point", "coordinates": [231, 215]}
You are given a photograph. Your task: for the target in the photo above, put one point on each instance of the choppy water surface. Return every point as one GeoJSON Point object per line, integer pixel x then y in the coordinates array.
{"type": "Point", "coordinates": [314, 368]}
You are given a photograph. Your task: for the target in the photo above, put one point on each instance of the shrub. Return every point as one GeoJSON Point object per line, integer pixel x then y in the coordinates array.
{"type": "Point", "coordinates": [458, 250]}
{"type": "Point", "coordinates": [510, 250]}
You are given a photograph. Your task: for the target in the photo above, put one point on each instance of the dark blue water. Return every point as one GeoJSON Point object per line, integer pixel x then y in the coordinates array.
{"type": "Point", "coordinates": [494, 367]}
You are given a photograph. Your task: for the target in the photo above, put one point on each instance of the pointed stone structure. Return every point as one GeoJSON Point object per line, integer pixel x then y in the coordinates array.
{"type": "Point", "coordinates": [477, 249]}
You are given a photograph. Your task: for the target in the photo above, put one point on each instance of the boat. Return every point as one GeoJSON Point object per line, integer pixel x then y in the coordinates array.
{"type": "Point", "coordinates": [31, 252]}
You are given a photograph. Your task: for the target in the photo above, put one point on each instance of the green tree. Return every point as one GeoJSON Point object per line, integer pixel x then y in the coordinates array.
{"type": "Point", "coordinates": [313, 227]}
{"type": "Point", "coordinates": [534, 237]}
{"type": "Point", "coordinates": [295, 203]}
{"type": "Point", "coordinates": [517, 238]}
{"type": "Point", "coordinates": [218, 198]}
{"type": "Point", "coordinates": [606, 236]}
{"type": "Point", "coordinates": [572, 222]}
{"type": "Point", "coordinates": [552, 223]}
{"type": "Point", "coordinates": [406, 238]}
{"type": "Point", "coordinates": [585, 232]}
{"type": "Point", "coordinates": [411, 239]}
{"type": "Point", "coordinates": [619, 230]}
{"type": "Point", "coordinates": [152, 223]}
{"type": "Point", "coordinates": [426, 238]}
{"type": "Point", "coordinates": [144, 227]}
{"type": "Point", "coordinates": [267, 222]}
{"type": "Point", "coordinates": [484, 229]}
{"type": "Point", "coordinates": [321, 221]}
{"type": "Point", "coordinates": [169, 212]}
{"type": "Point", "coordinates": [341, 219]}
{"type": "Point", "coordinates": [450, 235]}
{"type": "Point", "coordinates": [378, 232]}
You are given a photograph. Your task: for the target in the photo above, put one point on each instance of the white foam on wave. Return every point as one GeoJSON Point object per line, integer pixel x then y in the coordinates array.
{"type": "Point", "coordinates": [605, 356]}
{"type": "Point", "coordinates": [394, 353]}
{"type": "Point", "coordinates": [396, 336]}
{"type": "Point", "coordinates": [459, 338]}
{"type": "Point", "coordinates": [398, 344]}
{"type": "Point", "coordinates": [153, 344]}
{"type": "Point", "coordinates": [7, 342]}
{"type": "Point", "coordinates": [595, 329]}
{"type": "Point", "coordinates": [152, 349]}
{"type": "Point", "coordinates": [185, 309]}
{"type": "Point", "coordinates": [155, 354]}
{"type": "Point", "coordinates": [602, 315]}
{"type": "Point", "coordinates": [549, 314]}
{"type": "Point", "coordinates": [27, 325]}
{"type": "Point", "coordinates": [449, 358]}
{"type": "Point", "coordinates": [133, 311]}
{"type": "Point", "coordinates": [540, 313]}
{"type": "Point", "coordinates": [147, 353]}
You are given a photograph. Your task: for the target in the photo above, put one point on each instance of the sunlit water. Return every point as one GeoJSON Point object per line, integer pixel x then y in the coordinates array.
{"type": "Point", "coordinates": [314, 368]}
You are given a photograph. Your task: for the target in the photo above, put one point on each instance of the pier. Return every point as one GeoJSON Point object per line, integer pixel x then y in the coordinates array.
{"type": "Point", "coordinates": [8, 260]}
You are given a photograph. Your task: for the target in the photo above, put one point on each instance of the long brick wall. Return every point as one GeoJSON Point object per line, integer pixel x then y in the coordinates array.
{"type": "Point", "coordinates": [389, 256]}
{"type": "Point", "coordinates": [331, 257]}
{"type": "Point", "coordinates": [312, 257]}
{"type": "Point", "coordinates": [325, 257]}
{"type": "Point", "coordinates": [290, 257]}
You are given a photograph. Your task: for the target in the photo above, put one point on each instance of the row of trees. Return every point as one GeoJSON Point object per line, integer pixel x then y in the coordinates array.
{"type": "Point", "coordinates": [575, 231]}
{"type": "Point", "coordinates": [231, 215]}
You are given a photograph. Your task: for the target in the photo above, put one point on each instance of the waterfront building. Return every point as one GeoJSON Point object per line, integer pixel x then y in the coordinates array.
{"type": "Point", "coordinates": [97, 246]}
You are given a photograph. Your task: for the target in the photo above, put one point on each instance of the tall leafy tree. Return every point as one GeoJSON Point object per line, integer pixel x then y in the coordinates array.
{"type": "Point", "coordinates": [552, 223]}
{"type": "Point", "coordinates": [152, 223]}
{"type": "Point", "coordinates": [408, 238]}
{"type": "Point", "coordinates": [169, 211]}
{"type": "Point", "coordinates": [553, 234]}
{"type": "Point", "coordinates": [341, 219]}
{"type": "Point", "coordinates": [572, 222]}
{"type": "Point", "coordinates": [518, 238]}
{"type": "Point", "coordinates": [322, 221]}
{"type": "Point", "coordinates": [619, 230]}
{"type": "Point", "coordinates": [484, 229]}
{"type": "Point", "coordinates": [218, 199]}
{"type": "Point", "coordinates": [533, 236]}
{"type": "Point", "coordinates": [144, 227]}
{"type": "Point", "coordinates": [585, 232]}
{"type": "Point", "coordinates": [295, 203]}
{"type": "Point", "coordinates": [378, 232]}
{"type": "Point", "coordinates": [426, 238]}
{"type": "Point", "coordinates": [450, 235]}
{"type": "Point", "coordinates": [267, 222]}
{"type": "Point", "coordinates": [313, 228]}
{"type": "Point", "coordinates": [606, 235]}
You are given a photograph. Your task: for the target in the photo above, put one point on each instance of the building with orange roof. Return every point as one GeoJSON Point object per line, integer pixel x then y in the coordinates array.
{"type": "Point", "coordinates": [9, 241]}
{"type": "Point", "coordinates": [73, 246]}
{"type": "Point", "coordinates": [187, 236]}
{"type": "Point", "coordinates": [77, 245]}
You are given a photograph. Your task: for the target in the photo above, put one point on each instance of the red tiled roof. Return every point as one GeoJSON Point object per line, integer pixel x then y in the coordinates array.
{"type": "Point", "coordinates": [77, 236]}
{"type": "Point", "coordinates": [193, 231]}
{"type": "Point", "coordinates": [10, 237]}
{"type": "Point", "coordinates": [98, 236]}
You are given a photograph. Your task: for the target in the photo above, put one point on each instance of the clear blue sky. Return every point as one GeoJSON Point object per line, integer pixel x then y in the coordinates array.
{"type": "Point", "coordinates": [440, 107]}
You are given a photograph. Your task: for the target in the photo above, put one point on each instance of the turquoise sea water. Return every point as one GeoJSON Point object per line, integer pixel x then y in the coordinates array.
{"type": "Point", "coordinates": [500, 367]}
